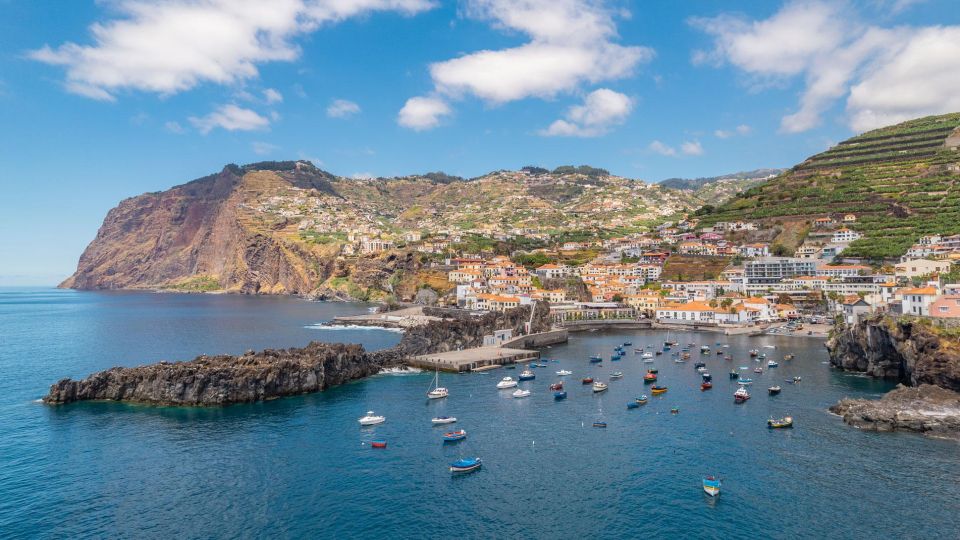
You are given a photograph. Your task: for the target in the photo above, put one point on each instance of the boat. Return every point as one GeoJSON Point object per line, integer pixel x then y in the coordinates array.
{"type": "Point", "coordinates": [587, 380]}
{"type": "Point", "coordinates": [371, 419]}
{"type": "Point", "coordinates": [658, 353]}
{"type": "Point", "coordinates": [711, 486]}
{"type": "Point", "coordinates": [706, 385]}
{"type": "Point", "coordinates": [763, 356]}
{"type": "Point", "coordinates": [646, 355]}
{"type": "Point", "coordinates": [758, 370]}
{"type": "Point", "coordinates": [744, 382]}
{"type": "Point", "coordinates": [632, 405]}
{"type": "Point", "coordinates": [754, 352]}
{"type": "Point", "coordinates": [564, 373]}
{"type": "Point", "coordinates": [653, 370]}
{"type": "Point", "coordinates": [685, 356]}
{"type": "Point", "coordinates": [443, 420]}
{"type": "Point", "coordinates": [706, 377]}
{"type": "Point", "coordinates": [527, 375]}
{"type": "Point", "coordinates": [378, 444]}
{"type": "Point", "coordinates": [438, 391]}
{"type": "Point", "coordinates": [797, 379]}
{"type": "Point", "coordinates": [559, 395]}
{"type": "Point", "coordinates": [774, 390]}
{"type": "Point", "coordinates": [780, 423]}
{"type": "Point", "coordinates": [704, 349]}
{"type": "Point", "coordinates": [454, 436]}
{"type": "Point", "coordinates": [657, 390]}
{"type": "Point", "coordinates": [599, 387]}
{"type": "Point", "coordinates": [600, 424]}
{"type": "Point", "coordinates": [675, 410]}
{"type": "Point", "coordinates": [616, 375]}
{"type": "Point", "coordinates": [734, 374]}
{"type": "Point", "coordinates": [772, 363]}
{"type": "Point", "coordinates": [788, 357]}
{"type": "Point", "coordinates": [649, 378]}
{"type": "Point", "coordinates": [615, 358]}
{"type": "Point", "coordinates": [506, 382]}
{"type": "Point", "coordinates": [728, 358]}
{"type": "Point", "coordinates": [521, 393]}
{"type": "Point", "coordinates": [642, 400]}
{"type": "Point", "coordinates": [556, 386]}
{"type": "Point", "coordinates": [596, 359]}
{"type": "Point", "coordinates": [701, 369]}
{"type": "Point", "coordinates": [741, 395]}
{"type": "Point", "coordinates": [465, 465]}
{"type": "Point", "coordinates": [699, 364]}
{"type": "Point", "coordinates": [627, 343]}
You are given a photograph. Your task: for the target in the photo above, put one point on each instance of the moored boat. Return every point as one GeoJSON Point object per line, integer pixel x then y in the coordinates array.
{"type": "Point", "coordinates": [443, 420]}
{"type": "Point", "coordinates": [744, 382]}
{"type": "Point", "coordinates": [371, 419]}
{"type": "Point", "coordinates": [706, 377]}
{"type": "Point", "coordinates": [788, 356]}
{"type": "Point", "coordinates": [616, 375]}
{"type": "Point", "coordinates": [521, 393]}
{"type": "Point", "coordinates": [596, 359]}
{"type": "Point", "coordinates": [557, 386]}
{"type": "Point", "coordinates": [706, 385]}
{"type": "Point", "coordinates": [649, 378]}
{"type": "Point", "coordinates": [600, 424]}
{"type": "Point", "coordinates": [646, 355]}
{"type": "Point", "coordinates": [438, 391]}
{"type": "Point", "coordinates": [564, 372]}
{"type": "Point", "coordinates": [754, 352]}
{"type": "Point", "coordinates": [758, 370]}
{"type": "Point", "coordinates": [657, 390]}
{"type": "Point", "coordinates": [599, 387]}
{"type": "Point", "coordinates": [454, 436]}
{"type": "Point", "coordinates": [560, 395]}
{"type": "Point", "coordinates": [632, 405]}
{"type": "Point", "coordinates": [527, 375]}
{"type": "Point", "coordinates": [587, 380]}
{"type": "Point", "coordinates": [642, 400]}
{"type": "Point", "coordinates": [653, 370]}
{"type": "Point", "coordinates": [741, 395]}
{"type": "Point", "coordinates": [774, 390]}
{"type": "Point", "coordinates": [506, 382]}
{"type": "Point", "coordinates": [734, 374]}
{"type": "Point", "coordinates": [780, 423]}
{"type": "Point", "coordinates": [772, 363]}
{"type": "Point", "coordinates": [711, 486]}
{"type": "Point", "coordinates": [675, 410]}
{"type": "Point", "coordinates": [378, 444]}
{"type": "Point", "coordinates": [465, 465]}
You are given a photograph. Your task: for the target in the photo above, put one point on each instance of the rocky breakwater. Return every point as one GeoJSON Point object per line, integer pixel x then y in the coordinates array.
{"type": "Point", "coordinates": [923, 358]}
{"type": "Point", "coordinates": [269, 374]}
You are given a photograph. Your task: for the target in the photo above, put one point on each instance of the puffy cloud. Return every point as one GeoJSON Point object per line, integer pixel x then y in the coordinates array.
{"type": "Point", "coordinates": [662, 149]}
{"type": "Point", "coordinates": [571, 44]}
{"type": "Point", "coordinates": [272, 96]}
{"type": "Point", "coordinates": [171, 46]}
{"type": "Point", "coordinates": [601, 109]}
{"type": "Point", "coordinates": [687, 148]}
{"type": "Point", "coordinates": [692, 148]}
{"type": "Point", "coordinates": [421, 113]}
{"type": "Point", "coordinates": [742, 129]}
{"type": "Point", "coordinates": [342, 108]}
{"type": "Point", "coordinates": [231, 118]}
{"type": "Point", "coordinates": [174, 127]}
{"type": "Point", "coordinates": [886, 74]}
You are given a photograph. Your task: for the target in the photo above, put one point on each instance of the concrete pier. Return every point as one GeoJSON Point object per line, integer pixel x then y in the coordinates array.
{"type": "Point", "coordinates": [472, 359]}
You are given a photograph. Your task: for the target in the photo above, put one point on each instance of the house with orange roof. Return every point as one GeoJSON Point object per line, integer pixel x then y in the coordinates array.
{"type": "Point", "coordinates": [917, 300]}
{"type": "Point", "coordinates": [688, 313]}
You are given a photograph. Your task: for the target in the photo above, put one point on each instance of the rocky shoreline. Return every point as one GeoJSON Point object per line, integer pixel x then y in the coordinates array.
{"type": "Point", "coordinates": [274, 373]}
{"type": "Point", "coordinates": [925, 409]}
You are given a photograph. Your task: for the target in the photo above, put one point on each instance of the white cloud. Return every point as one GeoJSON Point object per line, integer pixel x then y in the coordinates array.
{"type": "Point", "coordinates": [174, 127]}
{"type": "Point", "coordinates": [662, 149]}
{"type": "Point", "coordinates": [421, 113]}
{"type": "Point", "coordinates": [742, 130]}
{"type": "Point", "coordinates": [692, 148]}
{"type": "Point", "coordinates": [172, 46]}
{"type": "Point", "coordinates": [571, 44]}
{"type": "Point", "coordinates": [231, 118]}
{"type": "Point", "coordinates": [886, 74]}
{"type": "Point", "coordinates": [271, 96]}
{"type": "Point", "coordinates": [601, 109]}
{"type": "Point", "coordinates": [263, 148]}
{"type": "Point", "coordinates": [342, 108]}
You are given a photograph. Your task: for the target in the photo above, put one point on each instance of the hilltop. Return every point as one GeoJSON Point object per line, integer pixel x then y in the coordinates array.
{"type": "Point", "coordinates": [900, 182]}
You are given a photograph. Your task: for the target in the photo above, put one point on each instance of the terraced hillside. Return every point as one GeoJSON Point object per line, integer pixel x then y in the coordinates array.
{"type": "Point", "coordinates": [901, 181]}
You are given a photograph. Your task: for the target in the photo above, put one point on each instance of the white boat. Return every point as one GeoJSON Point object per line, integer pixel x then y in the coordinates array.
{"type": "Point", "coordinates": [646, 355]}
{"type": "Point", "coordinates": [564, 372]}
{"type": "Point", "coordinates": [443, 420]}
{"type": "Point", "coordinates": [599, 386]}
{"type": "Point", "coordinates": [371, 419]}
{"type": "Point", "coordinates": [506, 382]}
{"type": "Point", "coordinates": [438, 391]}
{"type": "Point", "coordinates": [771, 363]}
{"type": "Point", "coordinates": [701, 369]}
{"type": "Point", "coordinates": [521, 393]}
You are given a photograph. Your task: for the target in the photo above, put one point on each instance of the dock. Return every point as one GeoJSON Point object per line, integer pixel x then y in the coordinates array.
{"type": "Point", "coordinates": [479, 358]}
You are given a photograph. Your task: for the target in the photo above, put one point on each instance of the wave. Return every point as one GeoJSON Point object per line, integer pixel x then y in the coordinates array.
{"type": "Point", "coordinates": [400, 370]}
{"type": "Point", "coordinates": [326, 326]}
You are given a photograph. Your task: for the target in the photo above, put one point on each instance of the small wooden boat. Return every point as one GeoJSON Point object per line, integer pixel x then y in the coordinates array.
{"type": "Point", "coordinates": [455, 436]}
{"type": "Point", "coordinates": [600, 424]}
{"type": "Point", "coordinates": [378, 444]}
{"type": "Point", "coordinates": [711, 486]}
{"type": "Point", "coordinates": [642, 400]}
{"type": "Point", "coordinates": [632, 405]}
{"type": "Point", "coordinates": [649, 378]}
{"type": "Point", "coordinates": [741, 395]}
{"type": "Point", "coordinates": [685, 356]}
{"type": "Point", "coordinates": [675, 410]}
{"type": "Point", "coordinates": [587, 380]}
{"type": "Point", "coordinates": [559, 396]}
{"type": "Point", "coordinates": [465, 465]}
{"type": "Point", "coordinates": [706, 385]}
{"type": "Point", "coordinates": [780, 423]}
{"type": "Point", "coordinates": [657, 390]}
{"type": "Point", "coordinates": [511, 366]}
{"type": "Point", "coordinates": [658, 353]}
{"type": "Point", "coordinates": [719, 353]}
{"type": "Point", "coordinates": [556, 386]}
{"type": "Point", "coordinates": [615, 358]}
{"type": "Point", "coordinates": [774, 390]}
{"type": "Point", "coordinates": [599, 387]}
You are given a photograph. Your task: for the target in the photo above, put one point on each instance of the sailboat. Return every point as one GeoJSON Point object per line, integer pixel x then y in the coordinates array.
{"type": "Point", "coordinates": [438, 391]}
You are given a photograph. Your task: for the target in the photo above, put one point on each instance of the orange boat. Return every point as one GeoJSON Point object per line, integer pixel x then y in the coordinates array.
{"type": "Point", "coordinates": [706, 385]}
{"type": "Point", "coordinates": [588, 380]}
{"type": "Point", "coordinates": [650, 377]}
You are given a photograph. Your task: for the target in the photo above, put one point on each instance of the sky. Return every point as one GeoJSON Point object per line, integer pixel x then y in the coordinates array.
{"type": "Point", "coordinates": [101, 100]}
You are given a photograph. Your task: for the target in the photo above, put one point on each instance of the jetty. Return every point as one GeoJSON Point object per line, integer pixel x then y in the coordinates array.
{"type": "Point", "coordinates": [476, 359]}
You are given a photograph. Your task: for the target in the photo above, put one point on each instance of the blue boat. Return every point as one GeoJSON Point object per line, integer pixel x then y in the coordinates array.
{"type": "Point", "coordinates": [560, 395]}
{"type": "Point", "coordinates": [527, 375]}
{"type": "Point", "coordinates": [455, 436]}
{"type": "Point", "coordinates": [614, 358]}
{"type": "Point", "coordinates": [711, 486]}
{"type": "Point", "coordinates": [745, 381]}
{"type": "Point", "coordinates": [632, 405]}
{"type": "Point", "coordinates": [627, 343]}
{"type": "Point", "coordinates": [465, 465]}
{"type": "Point", "coordinates": [596, 359]}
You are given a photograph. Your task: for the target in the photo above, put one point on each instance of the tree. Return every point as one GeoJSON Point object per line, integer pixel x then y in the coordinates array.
{"type": "Point", "coordinates": [780, 250]}
{"type": "Point", "coordinates": [618, 297]}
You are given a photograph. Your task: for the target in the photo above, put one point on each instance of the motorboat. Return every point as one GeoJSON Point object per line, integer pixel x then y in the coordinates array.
{"type": "Point", "coordinates": [774, 390]}
{"type": "Point", "coordinates": [527, 375]}
{"type": "Point", "coordinates": [704, 349]}
{"type": "Point", "coordinates": [772, 363]}
{"type": "Point", "coordinates": [788, 356]}
{"type": "Point", "coordinates": [758, 370]}
{"type": "Point", "coordinates": [556, 386]}
{"type": "Point", "coordinates": [675, 410]}
{"type": "Point", "coordinates": [741, 395]}
{"type": "Point", "coordinates": [646, 355]}
{"type": "Point", "coordinates": [632, 405]}
{"type": "Point", "coordinates": [506, 382]}
{"type": "Point", "coordinates": [706, 377]}
{"type": "Point", "coordinates": [599, 387]}
{"type": "Point", "coordinates": [744, 382]}
{"type": "Point", "coordinates": [653, 370]}
{"type": "Point", "coordinates": [443, 420]}
{"type": "Point", "coordinates": [754, 352]}
{"type": "Point", "coordinates": [560, 395]}
{"type": "Point", "coordinates": [564, 373]}
{"type": "Point", "coordinates": [699, 364]}
{"type": "Point", "coordinates": [371, 419]}
{"type": "Point", "coordinates": [701, 369]}
{"type": "Point", "coordinates": [711, 486]}
{"type": "Point", "coordinates": [454, 436]}
{"type": "Point", "coordinates": [706, 385]}
{"type": "Point", "coordinates": [600, 424]}
{"type": "Point", "coordinates": [642, 400]}
{"type": "Point", "coordinates": [649, 378]}
{"type": "Point", "coordinates": [734, 374]}
{"type": "Point", "coordinates": [780, 423]}
{"type": "Point", "coordinates": [521, 393]}
{"type": "Point", "coordinates": [657, 390]}
{"type": "Point", "coordinates": [378, 444]}
{"type": "Point", "coordinates": [465, 465]}
{"type": "Point", "coordinates": [587, 380]}
{"type": "Point", "coordinates": [616, 375]}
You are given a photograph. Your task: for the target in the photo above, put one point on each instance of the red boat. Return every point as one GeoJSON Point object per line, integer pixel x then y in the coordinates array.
{"type": "Point", "coordinates": [706, 385]}
{"type": "Point", "coordinates": [379, 444]}
{"type": "Point", "coordinates": [588, 380]}
{"type": "Point", "coordinates": [650, 377]}
{"type": "Point", "coordinates": [556, 386]}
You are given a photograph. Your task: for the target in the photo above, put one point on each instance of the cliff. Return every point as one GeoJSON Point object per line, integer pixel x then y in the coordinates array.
{"type": "Point", "coordinates": [270, 374]}
{"type": "Point", "coordinates": [925, 409]}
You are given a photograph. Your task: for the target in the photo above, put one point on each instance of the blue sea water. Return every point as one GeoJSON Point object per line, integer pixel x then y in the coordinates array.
{"type": "Point", "coordinates": [302, 467]}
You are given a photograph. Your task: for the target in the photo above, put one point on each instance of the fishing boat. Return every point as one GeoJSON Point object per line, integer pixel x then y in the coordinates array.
{"type": "Point", "coordinates": [465, 465]}
{"type": "Point", "coordinates": [600, 424]}
{"type": "Point", "coordinates": [658, 353]}
{"type": "Point", "coordinates": [560, 395]}
{"type": "Point", "coordinates": [758, 370]}
{"type": "Point", "coordinates": [706, 385]}
{"type": "Point", "coordinates": [772, 363]}
{"type": "Point", "coordinates": [675, 410]}
{"type": "Point", "coordinates": [788, 357]}
{"type": "Point", "coordinates": [744, 382]}
{"type": "Point", "coordinates": [719, 353]}
{"type": "Point", "coordinates": [699, 364]}
{"type": "Point", "coordinates": [780, 423]}
{"type": "Point", "coordinates": [527, 375]}
{"type": "Point", "coordinates": [596, 359]}
{"type": "Point", "coordinates": [438, 391]}
{"type": "Point", "coordinates": [564, 373]}
{"type": "Point", "coordinates": [378, 444]}
{"type": "Point", "coordinates": [615, 358]}
{"type": "Point", "coordinates": [774, 390]}
{"type": "Point", "coordinates": [657, 390]}
{"type": "Point", "coordinates": [646, 355]}
{"type": "Point", "coordinates": [642, 400]}
{"type": "Point", "coordinates": [653, 370]}
{"type": "Point", "coordinates": [616, 375]}
{"type": "Point", "coordinates": [627, 343]}
{"type": "Point", "coordinates": [454, 436]}
{"type": "Point", "coordinates": [706, 377]}
{"type": "Point", "coordinates": [556, 386]}
{"type": "Point", "coordinates": [649, 378]}
{"type": "Point", "coordinates": [521, 393]}
{"type": "Point", "coordinates": [587, 380]}
{"type": "Point", "coordinates": [754, 352]}
{"type": "Point", "coordinates": [741, 395]}
{"type": "Point", "coordinates": [632, 405]}
{"type": "Point", "coordinates": [371, 419]}
{"type": "Point", "coordinates": [506, 382]}
{"type": "Point", "coordinates": [711, 486]}
{"type": "Point", "coordinates": [599, 387]}
{"type": "Point", "coordinates": [443, 420]}
{"type": "Point", "coordinates": [704, 349]}
{"type": "Point", "coordinates": [734, 374]}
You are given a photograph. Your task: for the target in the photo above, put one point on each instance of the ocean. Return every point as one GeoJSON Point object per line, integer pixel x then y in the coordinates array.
{"type": "Point", "coordinates": [303, 467]}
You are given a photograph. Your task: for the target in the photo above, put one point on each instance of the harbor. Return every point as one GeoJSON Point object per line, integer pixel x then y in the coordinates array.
{"type": "Point", "coordinates": [476, 359]}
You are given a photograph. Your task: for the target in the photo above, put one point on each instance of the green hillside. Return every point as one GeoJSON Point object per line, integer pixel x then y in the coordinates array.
{"type": "Point", "coordinates": [901, 181]}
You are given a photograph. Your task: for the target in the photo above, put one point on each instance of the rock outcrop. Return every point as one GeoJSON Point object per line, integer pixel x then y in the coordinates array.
{"type": "Point", "coordinates": [925, 409]}
{"type": "Point", "coordinates": [269, 374]}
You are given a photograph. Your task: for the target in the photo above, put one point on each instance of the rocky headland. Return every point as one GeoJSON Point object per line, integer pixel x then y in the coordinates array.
{"type": "Point", "coordinates": [270, 374]}
{"type": "Point", "coordinates": [923, 358]}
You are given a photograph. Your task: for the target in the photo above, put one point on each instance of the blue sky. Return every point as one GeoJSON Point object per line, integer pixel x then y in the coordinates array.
{"type": "Point", "coordinates": [103, 100]}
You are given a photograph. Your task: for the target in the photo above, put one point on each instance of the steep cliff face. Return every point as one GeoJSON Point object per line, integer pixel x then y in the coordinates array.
{"type": "Point", "coordinates": [905, 351]}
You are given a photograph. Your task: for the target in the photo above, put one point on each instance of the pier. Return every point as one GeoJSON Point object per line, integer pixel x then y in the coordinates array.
{"type": "Point", "coordinates": [479, 358]}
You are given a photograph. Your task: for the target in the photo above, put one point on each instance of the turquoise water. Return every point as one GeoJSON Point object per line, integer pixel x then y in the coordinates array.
{"type": "Point", "coordinates": [298, 467]}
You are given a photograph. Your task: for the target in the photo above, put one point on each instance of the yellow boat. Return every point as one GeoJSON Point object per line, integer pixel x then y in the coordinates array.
{"type": "Point", "coordinates": [780, 423]}
{"type": "Point", "coordinates": [657, 390]}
